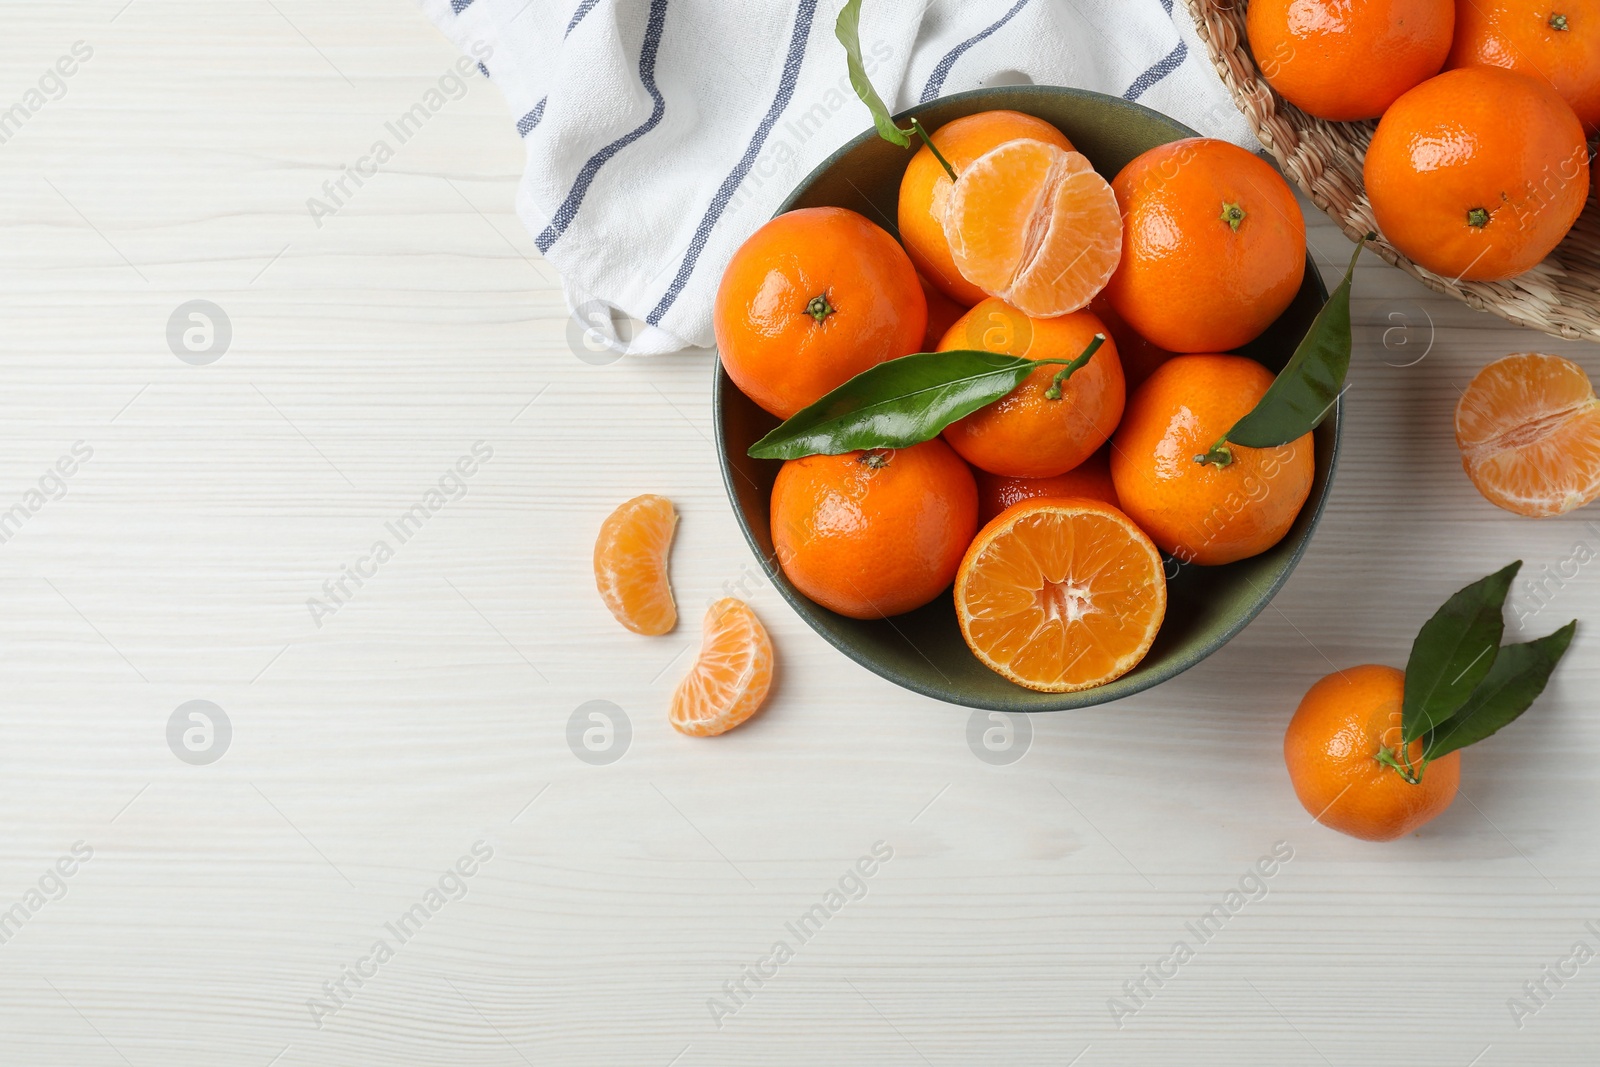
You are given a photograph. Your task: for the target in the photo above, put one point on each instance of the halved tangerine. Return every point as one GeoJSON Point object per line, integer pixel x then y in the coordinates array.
{"type": "Point", "coordinates": [1528, 427]}
{"type": "Point", "coordinates": [630, 564]}
{"type": "Point", "coordinates": [730, 679]}
{"type": "Point", "coordinates": [1061, 595]}
{"type": "Point", "coordinates": [1034, 225]}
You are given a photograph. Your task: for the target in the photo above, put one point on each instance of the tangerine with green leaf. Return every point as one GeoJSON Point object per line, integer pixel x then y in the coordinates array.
{"type": "Point", "coordinates": [1206, 512]}
{"type": "Point", "coordinates": [1332, 749]}
{"type": "Point", "coordinates": [1375, 752]}
{"type": "Point", "coordinates": [1060, 414]}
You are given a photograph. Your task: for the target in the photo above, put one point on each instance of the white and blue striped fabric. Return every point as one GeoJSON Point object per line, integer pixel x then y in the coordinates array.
{"type": "Point", "coordinates": [661, 133]}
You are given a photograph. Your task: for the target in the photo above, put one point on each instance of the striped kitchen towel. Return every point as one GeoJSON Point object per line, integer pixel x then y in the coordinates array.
{"type": "Point", "coordinates": [661, 133]}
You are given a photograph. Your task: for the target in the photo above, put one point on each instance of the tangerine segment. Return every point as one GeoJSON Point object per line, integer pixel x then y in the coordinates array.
{"type": "Point", "coordinates": [730, 679]}
{"type": "Point", "coordinates": [630, 564]}
{"type": "Point", "coordinates": [1034, 225]}
{"type": "Point", "coordinates": [1061, 595]}
{"type": "Point", "coordinates": [1528, 427]}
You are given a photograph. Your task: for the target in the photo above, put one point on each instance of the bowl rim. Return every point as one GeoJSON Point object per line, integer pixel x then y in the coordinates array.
{"type": "Point", "coordinates": [803, 606]}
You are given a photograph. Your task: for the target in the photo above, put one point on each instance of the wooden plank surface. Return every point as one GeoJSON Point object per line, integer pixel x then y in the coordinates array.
{"type": "Point", "coordinates": [373, 747]}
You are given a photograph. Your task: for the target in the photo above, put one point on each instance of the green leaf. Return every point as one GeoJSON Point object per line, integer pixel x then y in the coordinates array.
{"type": "Point", "coordinates": [896, 404]}
{"type": "Point", "coordinates": [1310, 383]}
{"type": "Point", "coordinates": [848, 30]}
{"type": "Point", "coordinates": [1453, 652]}
{"type": "Point", "coordinates": [1517, 678]}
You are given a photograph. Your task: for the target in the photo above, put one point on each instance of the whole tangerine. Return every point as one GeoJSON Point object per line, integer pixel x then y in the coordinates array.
{"type": "Point", "coordinates": [875, 533]}
{"type": "Point", "coordinates": [1213, 246]}
{"type": "Point", "coordinates": [1090, 479]}
{"type": "Point", "coordinates": [1478, 174]}
{"type": "Point", "coordinates": [1558, 42]}
{"type": "Point", "coordinates": [1038, 429]}
{"type": "Point", "coordinates": [813, 298]}
{"type": "Point", "coordinates": [1201, 512]}
{"type": "Point", "coordinates": [1341, 61]}
{"type": "Point", "coordinates": [925, 189]}
{"type": "Point", "coordinates": [1332, 749]}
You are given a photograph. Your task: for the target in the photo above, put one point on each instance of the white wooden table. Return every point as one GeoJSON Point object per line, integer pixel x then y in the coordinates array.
{"type": "Point", "coordinates": [372, 747]}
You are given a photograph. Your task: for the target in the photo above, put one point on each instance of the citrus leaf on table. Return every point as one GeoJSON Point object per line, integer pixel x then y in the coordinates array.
{"type": "Point", "coordinates": [896, 404]}
{"type": "Point", "coordinates": [1310, 383]}
{"type": "Point", "coordinates": [848, 30]}
{"type": "Point", "coordinates": [1453, 652]}
{"type": "Point", "coordinates": [1517, 678]}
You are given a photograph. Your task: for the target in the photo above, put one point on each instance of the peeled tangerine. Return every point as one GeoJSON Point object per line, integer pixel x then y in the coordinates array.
{"type": "Point", "coordinates": [730, 679]}
{"type": "Point", "coordinates": [1034, 225]}
{"type": "Point", "coordinates": [630, 564]}
{"type": "Point", "coordinates": [1528, 427]}
{"type": "Point", "coordinates": [1061, 595]}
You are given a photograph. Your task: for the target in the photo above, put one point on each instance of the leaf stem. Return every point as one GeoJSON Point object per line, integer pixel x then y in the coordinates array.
{"type": "Point", "coordinates": [927, 139]}
{"type": "Point", "coordinates": [1054, 392]}
{"type": "Point", "coordinates": [1411, 772]}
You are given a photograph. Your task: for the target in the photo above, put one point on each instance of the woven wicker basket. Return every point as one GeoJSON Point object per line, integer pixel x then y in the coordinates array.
{"type": "Point", "coordinates": [1560, 296]}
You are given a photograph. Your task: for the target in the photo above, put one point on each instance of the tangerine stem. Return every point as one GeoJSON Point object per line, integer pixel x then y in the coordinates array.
{"type": "Point", "coordinates": [819, 308]}
{"type": "Point", "coordinates": [1408, 771]}
{"type": "Point", "coordinates": [1054, 391]}
{"type": "Point", "coordinates": [1219, 454]}
{"type": "Point", "coordinates": [918, 129]}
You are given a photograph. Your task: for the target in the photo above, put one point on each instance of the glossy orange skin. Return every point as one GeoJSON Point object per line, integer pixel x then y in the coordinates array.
{"type": "Point", "coordinates": [1202, 513]}
{"type": "Point", "coordinates": [872, 534]}
{"type": "Point", "coordinates": [1478, 138]}
{"type": "Point", "coordinates": [779, 355]}
{"type": "Point", "coordinates": [1139, 355]}
{"type": "Point", "coordinates": [1331, 747]}
{"type": "Point", "coordinates": [942, 314]}
{"type": "Point", "coordinates": [1190, 282]}
{"type": "Point", "coordinates": [1024, 435]}
{"type": "Point", "coordinates": [1090, 479]}
{"type": "Point", "coordinates": [1517, 35]}
{"type": "Point", "coordinates": [925, 187]}
{"type": "Point", "coordinates": [1343, 61]}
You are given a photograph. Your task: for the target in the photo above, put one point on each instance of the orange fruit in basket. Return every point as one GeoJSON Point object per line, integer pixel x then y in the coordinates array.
{"type": "Point", "coordinates": [925, 189]}
{"type": "Point", "coordinates": [1091, 479]}
{"type": "Point", "coordinates": [1025, 433]}
{"type": "Point", "coordinates": [1478, 173]}
{"type": "Point", "coordinates": [1331, 749]}
{"type": "Point", "coordinates": [1200, 512]}
{"type": "Point", "coordinates": [810, 300]}
{"type": "Point", "coordinates": [1061, 595]}
{"type": "Point", "coordinates": [1528, 427]}
{"type": "Point", "coordinates": [630, 564]}
{"type": "Point", "coordinates": [1139, 355]}
{"type": "Point", "coordinates": [1035, 225]}
{"type": "Point", "coordinates": [942, 314]}
{"type": "Point", "coordinates": [876, 533]}
{"type": "Point", "coordinates": [1342, 61]}
{"type": "Point", "coordinates": [729, 681]}
{"type": "Point", "coordinates": [1214, 246]}
{"type": "Point", "coordinates": [1558, 42]}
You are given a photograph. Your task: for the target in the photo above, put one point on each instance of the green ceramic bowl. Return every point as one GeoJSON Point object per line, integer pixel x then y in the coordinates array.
{"type": "Point", "coordinates": [923, 650]}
